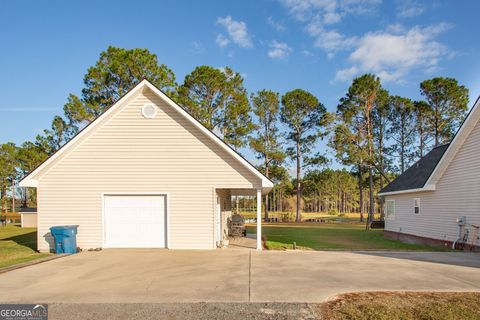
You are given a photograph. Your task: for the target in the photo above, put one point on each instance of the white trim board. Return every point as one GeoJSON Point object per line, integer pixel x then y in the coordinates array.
{"type": "Point", "coordinates": [424, 189]}
{"type": "Point", "coordinates": [462, 134]}
{"type": "Point", "coordinates": [31, 181]}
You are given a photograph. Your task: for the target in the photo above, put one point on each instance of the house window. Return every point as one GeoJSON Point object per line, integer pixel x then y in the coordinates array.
{"type": "Point", "coordinates": [390, 210]}
{"type": "Point", "coordinates": [416, 205]}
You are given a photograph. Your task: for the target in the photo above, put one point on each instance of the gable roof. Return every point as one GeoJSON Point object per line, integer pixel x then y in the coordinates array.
{"type": "Point", "coordinates": [426, 172]}
{"type": "Point", "coordinates": [416, 176]}
{"type": "Point", "coordinates": [31, 181]}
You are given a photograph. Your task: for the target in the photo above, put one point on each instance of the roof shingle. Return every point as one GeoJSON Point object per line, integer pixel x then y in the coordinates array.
{"type": "Point", "coordinates": [417, 175]}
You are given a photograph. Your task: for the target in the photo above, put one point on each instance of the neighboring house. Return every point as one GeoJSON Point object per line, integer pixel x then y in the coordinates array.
{"type": "Point", "coordinates": [429, 201]}
{"type": "Point", "coordinates": [29, 217]}
{"type": "Point", "coordinates": [145, 173]}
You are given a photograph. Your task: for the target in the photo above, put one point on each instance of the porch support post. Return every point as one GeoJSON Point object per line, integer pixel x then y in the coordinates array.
{"type": "Point", "coordinates": [259, 219]}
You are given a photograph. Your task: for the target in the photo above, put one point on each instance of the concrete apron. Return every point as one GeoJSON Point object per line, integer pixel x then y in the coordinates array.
{"type": "Point", "coordinates": [157, 276]}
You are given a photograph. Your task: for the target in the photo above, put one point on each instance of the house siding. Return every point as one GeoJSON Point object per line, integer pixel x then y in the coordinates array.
{"type": "Point", "coordinates": [128, 153]}
{"type": "Point", "coordinates": [226, 209]}
{"type": "Point", "coordinates": [29, 220]}
{"type": "Point", "coordinates": [457, 194]}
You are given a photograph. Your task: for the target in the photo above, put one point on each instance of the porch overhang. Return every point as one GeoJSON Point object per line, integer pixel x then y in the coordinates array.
{"type": "Point", "coordinates": [249, 191]}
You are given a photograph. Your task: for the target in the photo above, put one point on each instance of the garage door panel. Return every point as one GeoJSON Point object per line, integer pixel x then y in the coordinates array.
{"type": "Point", "coordinates": [135, 221]}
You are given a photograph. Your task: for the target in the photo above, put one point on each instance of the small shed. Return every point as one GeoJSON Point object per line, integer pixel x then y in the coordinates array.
{"type": "Point", "coordinates": [29, 217]}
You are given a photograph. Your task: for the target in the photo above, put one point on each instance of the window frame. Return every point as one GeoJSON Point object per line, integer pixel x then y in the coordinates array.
{"type": "Point", "coordinates": [415, 200]}
{"type": "Point", "coordinates": [392, 215]}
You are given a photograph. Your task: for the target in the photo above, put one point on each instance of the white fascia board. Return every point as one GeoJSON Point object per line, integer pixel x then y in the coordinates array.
{"type": "Point", "coordinates": [29, 180]}
{"type": "Point", "coordinates": [460, 137]}
{"type": "Point", "coordinates": [458, 140]}
{"type": "Point", "coordinates": [266, 183]}
{"type": "Point", "coordinates": [426, 188]}
{"type": "Point", "coordinates": [28, 183]}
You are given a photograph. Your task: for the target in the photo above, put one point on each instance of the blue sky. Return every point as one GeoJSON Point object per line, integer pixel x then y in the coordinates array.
{"type": "Point", "coordinates": [318, 45]}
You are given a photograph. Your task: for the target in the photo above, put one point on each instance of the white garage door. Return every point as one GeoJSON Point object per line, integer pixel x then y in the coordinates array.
{"type": "Point", "coordinates": [135, 221]}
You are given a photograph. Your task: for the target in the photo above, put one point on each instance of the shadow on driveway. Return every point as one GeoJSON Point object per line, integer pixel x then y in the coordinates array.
{"type": "Point", "coordinates": [465, 259]}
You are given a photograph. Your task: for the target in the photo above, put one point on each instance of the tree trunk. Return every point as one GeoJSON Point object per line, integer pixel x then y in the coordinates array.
{"type": "Point", "coordinates": [13, 195]}
{"type": "Point", "coordinates": [281, 201]}
{"type": "Point", "coordinates": [437, 129]}
{"type": "Point", "coordinates": [299, 184]}
{"type": "Point", "coordinates": [402, 151]}
{"type": "Point", "coordinates": [381, 199]}
{"type": "Point", "coordinates": [371, 208]}
{"type": "Point", "coordinates": [2, 197]}
{"type": "Point", "coordinates": [266, 196]}
{"type": "Point", "coordinates": [360, 188]}
{"type": "Point", "coordinates": [25, 197]}
{"type": "Point", "coordinates": [421, 140]}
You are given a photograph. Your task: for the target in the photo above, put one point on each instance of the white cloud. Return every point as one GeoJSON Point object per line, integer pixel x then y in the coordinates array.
{"type": "Point", "coordinates": [409, 8]}
{"type": "Point", "coordinates": [396, 28]}
{"type": "Point", "coordinates": [392, 55]}
{"type": "Point", "coordinates": [275, 24]}
{"type": "Point", "coordinates": [307, 53]}
{"type": "Point", "coordinates": [332, 17]}
{"type": "Point", "coordinates": [333, 41]}
{"type": "Point", "coordinates": [320, 15]}
{"type": "Point", "coordinates": [222, 41]}
{"type": "Point", "coordinates": [237, 32]}
{"type": "Point", "coordinates": [346, 74]}
{"type": "Point", "coordinates": [304, 10]}
{"type": "Point", "coordinates": [279, 50]}
{"type": "Point", "coordinates": [197, 47]}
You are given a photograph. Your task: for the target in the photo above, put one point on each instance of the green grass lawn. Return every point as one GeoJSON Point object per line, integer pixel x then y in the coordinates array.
{"type": "Point", "coordinates": [18, 245]}
{"type": "Point", "coordinates": [331, 236]}
{"type": "Point", "coordinates": [405, 306]}
{"type": "Point", "coordinates": [346, 217]}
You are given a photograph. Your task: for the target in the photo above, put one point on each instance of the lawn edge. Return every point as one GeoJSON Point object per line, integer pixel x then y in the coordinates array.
{"type": "Point", "coordinates": [31, 263]}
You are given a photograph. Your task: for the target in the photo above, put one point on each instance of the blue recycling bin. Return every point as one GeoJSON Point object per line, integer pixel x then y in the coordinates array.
{"type": "Point", "coordinates": [65, 239]}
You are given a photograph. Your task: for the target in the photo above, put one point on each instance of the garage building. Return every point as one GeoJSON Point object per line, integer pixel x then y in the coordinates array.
{"type": "Point", "coordinates": [144, 174]}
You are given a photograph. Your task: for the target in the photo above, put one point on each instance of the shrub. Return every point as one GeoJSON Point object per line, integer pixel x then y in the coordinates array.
{"type": "Point", "coordinates": [288, 216]}
{"type": "Point", "coordinates": [333, 212]}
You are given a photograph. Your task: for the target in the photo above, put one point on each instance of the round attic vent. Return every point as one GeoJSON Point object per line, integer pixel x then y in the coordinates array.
{"type": "Point", "coordinates": [149, 111]}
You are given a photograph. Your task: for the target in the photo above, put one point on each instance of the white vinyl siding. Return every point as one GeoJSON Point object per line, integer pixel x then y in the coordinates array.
{"type": "Point", "coordinates": [226, 208]}
{"type": "Point", "coordinates": [457, 194]}
{"type": "Point", "coordinates": [390, 210]}
{"type": "Point", "coordinates": [29, 220]}
{"type": "Point", "coordinates": [128, 153]}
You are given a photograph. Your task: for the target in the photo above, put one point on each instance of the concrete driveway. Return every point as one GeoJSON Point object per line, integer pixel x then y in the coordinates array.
{"type": "Point", "coordinates": [113, 276]}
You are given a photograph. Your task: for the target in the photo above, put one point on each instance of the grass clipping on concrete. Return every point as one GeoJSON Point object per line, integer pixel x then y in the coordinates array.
{"type": "Point", "coordinates": [403, 305]}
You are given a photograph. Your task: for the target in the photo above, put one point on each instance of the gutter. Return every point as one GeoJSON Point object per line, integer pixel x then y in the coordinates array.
{"type": "Point", "coordinates": [423, 189]}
